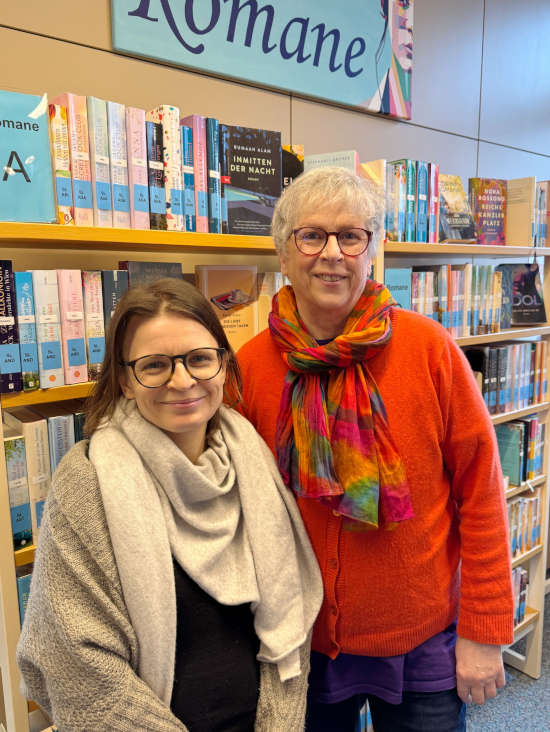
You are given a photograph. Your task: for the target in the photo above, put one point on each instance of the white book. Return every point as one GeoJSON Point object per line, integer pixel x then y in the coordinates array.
{"type": "Point", "coordinates": [48, 327]}
{"type": "Point", "coordinates": [118, 152]}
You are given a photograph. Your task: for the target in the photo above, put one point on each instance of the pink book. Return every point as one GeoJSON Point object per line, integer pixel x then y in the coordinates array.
{"type": "Point", "coordinates": [433, 203]}
{"type": "Point", "coordinates": [80, 156]}
{"type": "Point", "coordinates": [71, 307]}
{"type": "Point", "coordinates": [137, 168]}
{"type": "Point", "coordinates": [200, 166]}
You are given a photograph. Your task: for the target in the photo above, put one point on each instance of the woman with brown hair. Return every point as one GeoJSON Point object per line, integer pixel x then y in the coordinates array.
{"type": "Point", "coordinates": [174, 585]}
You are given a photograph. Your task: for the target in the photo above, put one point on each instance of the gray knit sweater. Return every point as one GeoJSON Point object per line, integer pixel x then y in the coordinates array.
{"type": "Point", "coordinates": [78, 652]}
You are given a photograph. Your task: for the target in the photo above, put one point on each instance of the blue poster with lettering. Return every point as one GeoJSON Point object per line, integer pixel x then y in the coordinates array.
{"type": "Point", "coordinates": [26, 182]}
{"type": "Point", "coordinates": [357, 53]}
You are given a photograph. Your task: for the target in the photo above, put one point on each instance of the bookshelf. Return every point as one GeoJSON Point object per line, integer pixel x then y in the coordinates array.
{"type": "Point", "coordinates": [64, 246]}
{"type": "Point", "coordinates": [20, 242]}
{"type": "Point", "coordinates": [397, 254]}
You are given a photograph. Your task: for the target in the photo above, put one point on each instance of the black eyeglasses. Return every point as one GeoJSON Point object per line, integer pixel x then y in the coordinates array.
{"type": "Point", "coordinates": [311, 240]}
{"type": "Point", "coordinates": [157, 369]}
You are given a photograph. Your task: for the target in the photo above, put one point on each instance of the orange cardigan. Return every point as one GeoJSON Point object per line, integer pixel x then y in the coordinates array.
{"type": "Point", "coordinates": [388, 591]}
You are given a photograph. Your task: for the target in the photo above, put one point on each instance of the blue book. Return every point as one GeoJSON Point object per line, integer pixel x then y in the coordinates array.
{"type": "Point", "coordinates": [26, 177]}
{"type": "Point", "coordinates": [23, 591]}
{"type": "Point", "coordinates": [188, 178]}
{"type": "Point", "coordinates": [421, 201]}
{"type": "Point", "coordinates": [28, 346]}
{"type": "Point", "coordinates": [398, 282]}
{"type": "Point", "coordinates": [18, 487]}
{"type": "Point", "coordinates": [213, 166]}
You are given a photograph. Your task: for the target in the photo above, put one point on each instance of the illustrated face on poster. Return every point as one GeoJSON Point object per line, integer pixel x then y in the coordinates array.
{"type": "Point", "coordinates": [359, 55]}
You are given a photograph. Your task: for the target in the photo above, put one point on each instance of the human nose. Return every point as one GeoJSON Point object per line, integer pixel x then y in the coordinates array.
{"type": "Point", "coordinates": [332, 248]}
{"type": "Point", "coordinates": [181, 376]}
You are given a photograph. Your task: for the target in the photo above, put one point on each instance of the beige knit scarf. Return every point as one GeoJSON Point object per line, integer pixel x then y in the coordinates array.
{"type": "Point", "coordinates": [229, 522]}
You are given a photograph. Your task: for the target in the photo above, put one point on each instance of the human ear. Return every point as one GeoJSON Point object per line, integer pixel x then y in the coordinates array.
{"type": "Point", "coordinates": [126, 386]}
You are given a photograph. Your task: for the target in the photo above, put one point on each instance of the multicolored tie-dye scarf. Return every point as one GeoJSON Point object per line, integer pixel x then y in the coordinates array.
{"type": "Point", "coordinates": [332, 438]}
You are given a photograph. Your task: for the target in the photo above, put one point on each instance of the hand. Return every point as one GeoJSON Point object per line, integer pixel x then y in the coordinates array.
{"type": "Point", "coordinates": [479, 670]}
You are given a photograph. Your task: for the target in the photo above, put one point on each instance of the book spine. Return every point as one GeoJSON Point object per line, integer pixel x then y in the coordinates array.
{"type": "Point", "coordinates": [28, 347]}
{"type": "Point", "coordinates": [61, 437]}
{"type": "Point", "coordinates": [80, 157]}
{"type": "Point", "coordinates": [168, 117]}
{"type": "Point", "coordinates": [23, 592]}
{"type": "Point", "coordinates": [389, 222]}
{"type": "Point", "coordinates": [213, 164]}
{"type": "Point", "coordinates": [114, 284]}
{"type": "Point", "coordinates": [61, 161]}
{"type": "Point", "coordinates": [48, 328]}
{"type": "Point", "coordinates": [137, 168]}
{"type": "Point", "coordinates": [200, 164]}
{"type": "Point", "coordinates": [71, 307]}
{"type": "Point", "coordinates": [410, 213]}
{"type": "Point", "coordinates": [400, 210]}
{"type": "Point", "coordinates": [189, 178]}
{"type": "Point", "coordinates": [18, 491]}
{"type": "Point", "coordinates": [10, 357]}
{"type": "Point", "coordinates": [94, 322]}
{"type": "Point", "coordinates": [99, 161]}
{"type": "Point", "coordinates": [155, 168]}
{"type": "Point", "coordinates": [422, 192]}
{"type": "Point", "coordinates": [433, 203]}
{"type": "Point", "coordinates": [116, 116]}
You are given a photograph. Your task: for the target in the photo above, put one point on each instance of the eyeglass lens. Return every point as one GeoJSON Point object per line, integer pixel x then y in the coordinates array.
{"type": "Point", "coordinates": [156, 370]}
{"type": "Point", "coordinates": [311, 240]}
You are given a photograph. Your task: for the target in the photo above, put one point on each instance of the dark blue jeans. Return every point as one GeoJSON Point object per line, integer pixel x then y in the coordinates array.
{"type": "Point", "coordinates": [439, 711]}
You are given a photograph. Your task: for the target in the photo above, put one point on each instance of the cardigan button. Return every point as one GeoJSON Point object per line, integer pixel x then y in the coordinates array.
{"type": "Point", "coordinates": [335, 513]}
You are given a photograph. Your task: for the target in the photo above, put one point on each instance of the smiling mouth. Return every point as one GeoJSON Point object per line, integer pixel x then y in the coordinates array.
{"type": "Point", "coordinates": [330, 277]}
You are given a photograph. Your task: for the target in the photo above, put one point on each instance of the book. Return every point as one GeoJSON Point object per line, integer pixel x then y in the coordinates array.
{"type": "Point", "coordinates": [34, 430]}
{"type": "Point", "coordinates": [292, 161]}
{"type": "Point", "coordinates": [61, 162]}
{"type": "Point", "coordinates": [542, 206]}
{"type": "Point", "coordinates": [433, 203]}
{"type": "Point", "coordinates": [143, 273]}
{"type": "Point", "coordinates": [137, 168]}
{"type": "Point", "coordinates": [26, 184]}
{"type": "Point", "coordinates": [522, 298]}
{"type": "Point", "coordinates": [114, 283]}
{"type": "Point", "coordinates": [396, 200]}
{"type": "Point", "coordinates": [269, 283]}
{"type": "Point", "coordinates": [510, 439]}
{"type": "Point", "coordinates": [456, 222]}
{"type": "Point", "coordinates": [79, 149]}
{"type": "Point", "coordinates": [519, 221]}
{"type": "Point", "coordinates": [213, 167]}
{"type": "Point", "coordinates": [232, 289]}
{"type": "Point", "coordinates": [24, 576]}
{"type": "Point", "coordinates": [59, 420]}
{"type": "Point", "coordinates": [18, 489]}
{"type": "Point", "coordinates": [10, 356]}
{"type": "Point", "coordinates": [118, 152]}
{"type": "Point", "coordinates": [409, 167]}
{"type": "Point", "coordinates": [250, 161]}
{"type": "Point", "coordinates": [169, 117]}
{"type": "Point", "coordinates": [155, 176]}
{"type": "Point", "coordinates": [197, 123]}
{"type": "Point", "coordinates": [26, 321]}
{"type": "Point", "coordinates": [94, 322]}
{"type": "Point", "coordinates": [100, 165]}
{"type": "Point", "coordinates": [421, 202]}
{"type": "Point", "coordinates": [487, 198]}
{"type": "Point", "coordinates": [48, 327]}
{"type": "Point", "coordinates": [375, 172]}
{"type": "Point", "coordinates": [398, 282]}
{"type": "Point", "coordinates": [189, 209]}
{"type": "Point", "coordinates": [341, 159]}
{"type": "Point", "coordinates": [71, 309]}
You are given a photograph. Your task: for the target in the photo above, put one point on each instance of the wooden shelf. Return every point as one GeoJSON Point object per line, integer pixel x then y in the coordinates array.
{"type": "Point", "coordinates": [524, 487]}
{"type": "Point", "coordinates": [43, 396]}
{"type": "Point", "coordinates": [504, 335]}
{"type": "Point", "coordinates": [25, 556]}
{"type": "Point", "coordinates": [517, 561]}
{"type": "Point", "coordinates": [410, 247]}
{"type": "Point", "coordinates": [517, 413]}
{"type": "Point", "coordinates": [38, 236]}
{"type": "Point", "coordinates": [531, 616]}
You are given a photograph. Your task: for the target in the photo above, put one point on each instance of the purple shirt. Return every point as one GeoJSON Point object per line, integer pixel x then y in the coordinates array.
{"type": "Point", "coordinates": [431, 666]}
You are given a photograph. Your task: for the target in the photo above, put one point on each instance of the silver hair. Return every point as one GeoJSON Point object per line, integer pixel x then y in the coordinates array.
{"type": "Point", "coordinates": [329, 186]}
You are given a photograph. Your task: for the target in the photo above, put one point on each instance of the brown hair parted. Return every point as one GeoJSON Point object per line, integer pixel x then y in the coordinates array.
{"type": "Point", "coordinates": [167, 295]}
